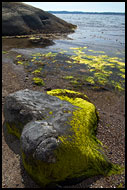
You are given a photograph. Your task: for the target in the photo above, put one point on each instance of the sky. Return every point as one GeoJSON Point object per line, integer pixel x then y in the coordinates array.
{"type": "Point", "coordinates": [80, 6]}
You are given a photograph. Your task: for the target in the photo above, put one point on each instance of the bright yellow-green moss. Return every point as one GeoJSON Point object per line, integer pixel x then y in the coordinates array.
{"type": "Point", "coordinates": [37, 71]}
{"type": "Point", "coordinates": [18, 56]}
{"type": "Point", "coordinates": [79, 154]}
{"type": "Point", "coordinates": [101, 64]}
{"type": "Point", "coordinates": [20, 62]}
{"type": "Point", "coordinates": [90, 80]}
{"type": "Point", "coordinates": [38, 81]}
{"type": "Point", "coordinates": [68, 77]}
{"type": "Point", "coordinates": [4, 52]}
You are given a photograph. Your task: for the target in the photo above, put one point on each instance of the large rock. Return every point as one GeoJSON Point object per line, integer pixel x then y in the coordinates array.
{"type": "Point", "coordinates": [24, 106]}
{"type": "Point", "coordinates": [57, 135]}
{"type": "Point", "coordinates": [19, 19]}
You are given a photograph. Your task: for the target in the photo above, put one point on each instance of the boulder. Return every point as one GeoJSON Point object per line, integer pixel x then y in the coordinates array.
{"type": "Point", "coordinates": [57, 134]}
{"type": "Point", "coordinates": [26, 105]}
{"type": "Point", "coordinates": [21, 19]}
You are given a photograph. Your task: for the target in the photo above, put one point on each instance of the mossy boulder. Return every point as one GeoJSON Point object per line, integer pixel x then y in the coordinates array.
{"type": "Point", "coordinates": [59, 143]}
{"type": "Point", "coordinates": [21, 19]}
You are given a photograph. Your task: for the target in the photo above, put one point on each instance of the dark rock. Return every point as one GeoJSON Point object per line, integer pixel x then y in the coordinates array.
{"type": "Point", "coordinates": [24, 106]}
{"type": "Point", "coordinates": [41, 41]}
{"type": "Point", "coordinates": [21, 19]}
{"type": "Point", "coordinates": [39, 139]}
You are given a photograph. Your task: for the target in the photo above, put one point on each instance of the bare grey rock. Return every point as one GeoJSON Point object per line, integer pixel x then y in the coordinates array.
{"type": "Point", "coordinates": [21, 19]}
{"type": "Point", "coordinates": [39, 139]}
{"type": "Point", "coordinates": [26, 105]}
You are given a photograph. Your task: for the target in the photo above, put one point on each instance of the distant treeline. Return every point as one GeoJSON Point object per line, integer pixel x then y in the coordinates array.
{"type": "Point", "coordinates": [79, 12]}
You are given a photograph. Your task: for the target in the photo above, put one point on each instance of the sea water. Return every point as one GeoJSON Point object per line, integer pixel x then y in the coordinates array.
{"type": "Point", "coordinates": [98, 32]}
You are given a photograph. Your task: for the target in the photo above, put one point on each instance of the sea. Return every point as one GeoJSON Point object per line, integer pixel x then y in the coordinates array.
{"type": "Point", "coordinates": [96, 48]}
{"type": "Point", "coordinates": [99, 32]}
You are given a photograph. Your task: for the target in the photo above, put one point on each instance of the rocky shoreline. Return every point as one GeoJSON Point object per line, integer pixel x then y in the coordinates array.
{"type": "Point", "coordinates": [111, 129]}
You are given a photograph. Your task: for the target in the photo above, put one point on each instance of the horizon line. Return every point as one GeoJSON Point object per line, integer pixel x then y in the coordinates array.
{"type": "Point", "coordinates": [86, 11]}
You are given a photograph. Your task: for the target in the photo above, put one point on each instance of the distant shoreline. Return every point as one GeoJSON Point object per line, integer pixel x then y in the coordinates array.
{"type": "Point", "coordinates": [79, 12]}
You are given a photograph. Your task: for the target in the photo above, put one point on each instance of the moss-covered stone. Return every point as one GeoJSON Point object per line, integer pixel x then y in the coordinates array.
{"type": "Point", "coordinates": [79, 154]}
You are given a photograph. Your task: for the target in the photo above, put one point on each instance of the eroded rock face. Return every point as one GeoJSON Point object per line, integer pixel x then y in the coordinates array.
{"type": "Point", "coordinates": [57, 135]}
{"type": "Point", "coordinates": [20, 19]}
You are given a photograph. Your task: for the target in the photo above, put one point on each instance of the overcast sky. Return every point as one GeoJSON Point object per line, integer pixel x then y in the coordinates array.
{"type": "Point", "coordinates": [80, 6]}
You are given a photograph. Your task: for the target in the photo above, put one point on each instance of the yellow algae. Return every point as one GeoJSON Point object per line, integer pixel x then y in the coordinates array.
{"type": "Point", "coordinates": [18, 56]}
{"type": "Point", "coordinates": [37, 71]}
{"type": "Point", "coordinates": [122, 70]}
{"type": "Point", "coordinates": [20, 62]}
{"type": "Point", "coordinates": [38, 81]}
{"type": "Point", "coordinates": [90, 80]}
{"type": "Point", "coordinates": [68, 77]}
{"type": "Point", "coordinates": [68, 61]}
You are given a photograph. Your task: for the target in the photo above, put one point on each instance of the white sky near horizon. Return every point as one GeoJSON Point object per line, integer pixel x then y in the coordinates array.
{"type": "Point", "coordinates": [80, 6]}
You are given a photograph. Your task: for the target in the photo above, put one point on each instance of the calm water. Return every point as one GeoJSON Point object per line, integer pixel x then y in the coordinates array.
{"type": "Point", "coordinates": [97, 32]}
{"type": "Point", "coordinates": [100, 61]}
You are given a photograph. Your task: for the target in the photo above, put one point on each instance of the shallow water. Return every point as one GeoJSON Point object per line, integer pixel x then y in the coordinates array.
{"type": "Point", "coordinates": [94, 53]}
{"type": "Point", "coordinates": [99, 32]}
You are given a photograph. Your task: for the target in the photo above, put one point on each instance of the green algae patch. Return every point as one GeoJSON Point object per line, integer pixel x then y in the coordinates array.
{"type": "Point", "coordinates": [37, 71]}
{"type": "Point", "coordinates": [12, 129]}
{"type": "Point", "coordinates": [4, 52]}
{"type": "Point", "coordinates": [68, 77]}
{"type": "Point", "coordinates": [38, 81]}
{"type": "Point", "coordinates": [102, 68]}
{"type": "Point", "coordinates": [79, 154]}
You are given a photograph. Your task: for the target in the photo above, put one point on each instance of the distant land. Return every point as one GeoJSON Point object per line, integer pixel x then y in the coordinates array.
{"type": "Point", "coordinates": [79, 12]}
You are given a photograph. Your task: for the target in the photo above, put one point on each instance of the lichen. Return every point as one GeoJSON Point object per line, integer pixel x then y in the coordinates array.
{"type": "Point", "coordinates": [80, 154]}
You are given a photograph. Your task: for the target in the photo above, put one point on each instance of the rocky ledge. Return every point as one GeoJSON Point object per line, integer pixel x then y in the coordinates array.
{"type": "Point", "coordinates": [21, 19]}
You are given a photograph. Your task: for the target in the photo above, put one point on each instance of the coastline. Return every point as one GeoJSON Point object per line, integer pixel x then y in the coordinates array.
{"type": "Point", "coordinates": [111, 128]}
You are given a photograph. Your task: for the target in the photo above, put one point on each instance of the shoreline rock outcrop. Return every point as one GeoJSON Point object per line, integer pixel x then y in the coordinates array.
{"type": "Point", "coordinates": [21, 19]}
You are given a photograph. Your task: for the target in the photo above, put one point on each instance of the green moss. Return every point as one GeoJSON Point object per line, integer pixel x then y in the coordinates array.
{"type": "Point", "coordinates": [78, 155]}
{"type": "Point", "coordinates": [38, 81]}
{"type": "Point", "coordinates": [18, 56]}
{"type": "Point", "coordinates": [120, 185]}
{"type": "Point", "coordinates": [4, 52]}
{"type": "Point", "coordinates": [37, 71]}
{"type": "Point", "coordinates": [12, 129]}
{"type": "Point", "coordinates": [90, 80]}
{"type": "Point", "coordinates": [20, 62]}
{"type": "Point", "coordinates": [50, 112]}
{"type": "Point", "coordinates": [109, 67]}
{"type": "Point", "coordinates": [68, 77]}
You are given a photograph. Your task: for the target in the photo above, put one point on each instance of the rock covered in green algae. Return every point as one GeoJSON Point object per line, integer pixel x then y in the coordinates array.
{"type": "Point", "coordinates": [64, 146]}
{"type": "Point", "coordinates": [60, 144]}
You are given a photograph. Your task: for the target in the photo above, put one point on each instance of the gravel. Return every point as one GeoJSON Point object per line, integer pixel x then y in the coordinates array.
{"type": "Point", "coordinates": [111, 132]}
